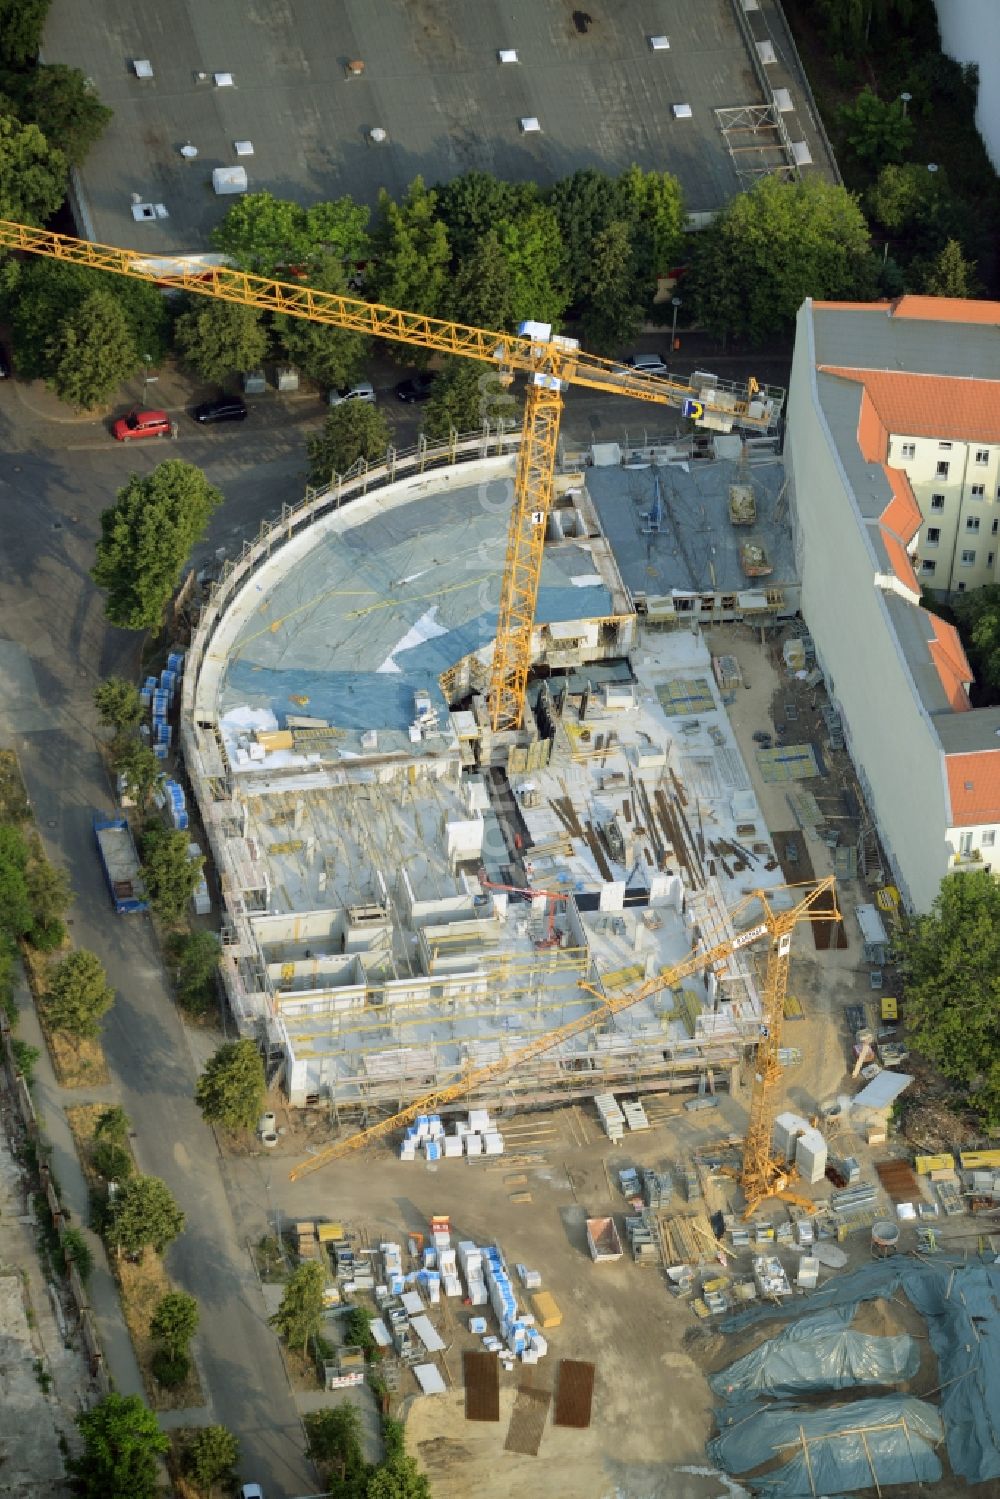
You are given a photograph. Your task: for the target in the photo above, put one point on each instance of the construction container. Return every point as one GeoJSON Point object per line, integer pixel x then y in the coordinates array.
{"type": "Point", "coordinates": [603, 1240]}
{"type": "Point", "coordinates": [810, 1156]}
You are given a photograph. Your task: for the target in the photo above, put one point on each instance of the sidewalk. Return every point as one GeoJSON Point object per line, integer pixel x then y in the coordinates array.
{"type": "Point", "coordinates": [49, 1099]}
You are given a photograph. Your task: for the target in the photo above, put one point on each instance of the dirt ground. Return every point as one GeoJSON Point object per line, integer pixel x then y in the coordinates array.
{"type": "Point", "coordinates": [652, 1413]}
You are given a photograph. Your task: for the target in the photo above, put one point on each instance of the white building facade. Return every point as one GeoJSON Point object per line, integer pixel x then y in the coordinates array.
{"type": "Point", "coordinates": [893, 449]}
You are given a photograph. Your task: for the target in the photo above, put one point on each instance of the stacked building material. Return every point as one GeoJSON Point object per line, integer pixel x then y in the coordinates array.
{"type": "Point", "coordinates": [635, 1114]}
{"type": "Point", "coordinates": [611, 1117]}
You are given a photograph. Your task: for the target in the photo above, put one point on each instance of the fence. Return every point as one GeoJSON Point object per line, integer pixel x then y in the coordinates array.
{"type": "Point", "coordinates": [25, 1109]}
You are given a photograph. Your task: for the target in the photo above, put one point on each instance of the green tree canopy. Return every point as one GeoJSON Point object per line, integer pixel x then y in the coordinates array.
{"type": "Point", "coordinates": [147, 536]}
{"type": "Point", "coordinates": [113, 1125]}
{"type": "Point", "coordinates": [79, 994]}
{"type": "Point", "coordinates": [32, 173]}
{"type": "Point", "coordinates": [609, 294]}
{"type": "Point", "coordinates": [196, 956]}
{"type": "Point", "coordinates": [175, 1322]}
{"type": "Point", "coordinates": [118, 703]}
{"type": "Point", "coordinates": [335, 1443]}
{"type": "Point", "coordinates": [353, 430]}
{"type": "Point", "coordinates": [770, 248]}
{"type": "Point", "coordinates": [951, 964]}
{"type": "Point", "coordinates": [413, 257]}
{"type": "Point", "coordinates": [949, 274]}
{"type": "Point", "coordinates": [112, 1162]}
{"type": "Point", "coordinates": [211, 1456]}
{"type": "Point", "coordinates": [15, 900]}
{"type": "Point", "coordinates": [231, 1090]}
{"type": "Point", "coordinates": [464, 396]}
{"type": "Point", "coordinates": [42, 293]}
{"type": "Point", "coordinates": [61, 102]}
{"type": "Point", "coordinates": [121, 1443]}
{"type": "Point", "coordinates": [533, 248]}
{"type": "Point", "coordinates": [137, 762]}
{"type": "Point", "coordinates": [333, 357]}
{"type": "Point", "coordinates": [876, 130]}
{"type": "Point", "coordinates": [907, 199]}
{"type": "Point", "coordinates": [654, 211]}
{"type": "Point", "coordinates": [214, 339]}
{"type": "Point", "coordinates": [51, 895]}
{"type": "Point", "coordinates": [144, 1215]}
{"type": "Point", "coordinates": [399, 1478]}
{"type": "Point", "coordinates": [301, 1309]}
{"type": "Point", "coordinates": [92, 352]}
{"type": "Point", "coordinates": [470, 205]}
{"type": "Point", "coordinates": [585, 204]}
{"type": "Point", "coordinates": [482, 290]}
{"type": "Point", "coordinates": [272, 236]}
{"type": "Point", "coordinates": [854, 27]}
{"type": "Point", "coordinates": [978, 614]}
{"type": "Point", "coordinates": [169, 872]}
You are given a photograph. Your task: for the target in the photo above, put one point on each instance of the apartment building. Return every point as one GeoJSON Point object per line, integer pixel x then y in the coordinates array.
{"type": "Point", "coordinates": [893, 455]}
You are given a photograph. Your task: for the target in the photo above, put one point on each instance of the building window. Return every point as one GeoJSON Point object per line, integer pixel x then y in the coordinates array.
{"type": "Point", "coordinates": [978, 491]}
{"type": "Point", "coordinates": [968, 559]}
{"type": "Point", "coordinates": [933, 535]}
{"type": "Point", "coordinates": [928, 566]}
{"type": "Point", "coordinates": [989, 558]}
{"type": "Point", "coordinates": [937, 501]}
{"type": "Point", "coordinates": [996, 527]}
{"type": "Point", "coordinates": [908, 450]}
{"type": "Point", "coordinates": [945, 447]}
{"type": "Point", "coordinates": [961, 587]}
{"type": "Point", "coordinates": [982, 455]}
{"type": "Point", "coordinates": [972, 522]}
{"type": "Point", "coordinates": [965, 844]}
{"type": "Point", "coordinates": [989, 838]}
{"type": "Point", "coordinates": [942, 469]}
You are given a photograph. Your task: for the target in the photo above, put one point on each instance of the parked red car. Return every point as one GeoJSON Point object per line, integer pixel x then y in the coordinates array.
{"type": "Point", "coordinates": [141, 424]}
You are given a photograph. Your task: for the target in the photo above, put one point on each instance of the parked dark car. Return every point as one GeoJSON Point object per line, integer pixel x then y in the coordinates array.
{"type": "Point", "coordinates": [417, 388]}
{"type": "Point", "coordinates": [224, 409]}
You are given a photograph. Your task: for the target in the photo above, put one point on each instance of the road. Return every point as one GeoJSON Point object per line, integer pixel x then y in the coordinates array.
{"type": "Point", "coordinates": [58, 475]}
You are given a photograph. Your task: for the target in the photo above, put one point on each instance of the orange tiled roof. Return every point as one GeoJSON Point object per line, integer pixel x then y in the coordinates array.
{"type": "Point", "coordinates": [902, 514]}
{"type": "Point", "coordinates": [974, 787]}
{"type": "Point", "coordinates": [873, 439]}
{"type": "Point", "coordinates": [947, 310]}
{"type": "Point", "coordinates": [930, 405]}
{"type": "Point", "coordinates": [951, 663]}
{"type": "Point", "coordinates": [899, 561]}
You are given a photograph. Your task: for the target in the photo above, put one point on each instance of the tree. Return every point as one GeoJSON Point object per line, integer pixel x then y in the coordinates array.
{"type": "Point", "coordinates": [482, 289]}
{"type": "Point", "coordinates": [175, 1322]}
{"type": "Point", "coordinates": [301, 1309]}
{"type": "Point", "coordinates": [270, 235]}
{"type": "Point", "coordinates": [137, 762]}
{"type": "Point", "coordinates": [32, 173]}
{"type": "Point", "coordinates": [611, 310]}
{"type": "Point", "coordinates": [470, 205]}
{"type": "Point", "coordinates": [144, 1214]}
{"type": "Point", "coordinates": [113, 1125]}
{"type": "Point", "coordinates": [853, 27]}
{"type": "Point", "coordinates": [584, 204]}
{"type": "Point", "coordinates": [196, 956]}
{"type": "Point", "coordinates": [21, 23]}
{"type": "Point", "coordinates": [352, 431]}
{"type": "Point", "coordinates": [335, 1442]}
{"type": "Point", "coordinates": [15, 900]}
{"type": "Point", "coordinates": [77, 1252]}
{"type": "Point", "coordinates": [533, 248]}
{"type": "Point", "coordinates": [62, 103]}
{"type": "Point", "coordinates": [358, 1330]}
{"type": "Point", "coordinates": [118, 703]}
{"type": "Point", "coordinates": [876, 130]}
{"type": "Point", "coordinates": [79, 994]}
{"type": "Point", "coordinates": [112, 1162]}
{"type": "Point", "coordinates": [399, 1478]}
{"type": "Point", "coordinates": [211, 1456]}
{"type": "Point", "coordinates": [949, 274]}
{"type": "Point", "coordinates": [169, 872]}
{"type": "Point", "coordinates": [92, 352]}
{"type": "Point", "coordinates": [951, 964]}
{"type": "Point", "coordinates": [654, 210]}
{"type": "Point", "coordinates": [412, 254]}
{"type": "Point", "coordinates": [41, 294]}
{"type": "Point", "coordinates": [464, 396]}
{"type": "Point", "coordinates": [231, 1090]}
{"type": "Point", "coordinates": [332, 357]}
{"type": "Point", "coordinates": [51, 895]}
{"type": "Point", "coordinates": [147, 536]}
{"type": "Point", "coordinates": [978, 615]}
{"type": "Point", "coordinates": [770, 248]}
{"type": "Point", "coordinates": [216, 338]}
{"type": "Point", "coordinates": [908, 199]}
{"type": "Point", "coordinates": [121, 1443]}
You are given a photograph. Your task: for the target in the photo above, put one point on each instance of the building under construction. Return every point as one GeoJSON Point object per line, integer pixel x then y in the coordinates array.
{"type": "Point", "coordinates": [409, 895]}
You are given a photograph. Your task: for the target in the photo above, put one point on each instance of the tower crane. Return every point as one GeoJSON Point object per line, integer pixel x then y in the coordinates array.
{"type": "Point", "coordinates": [761, 1176]}
{"type": "Point", "coordinates": [552, 363]}
{"type": "Point", "coordinates": [553, 897]}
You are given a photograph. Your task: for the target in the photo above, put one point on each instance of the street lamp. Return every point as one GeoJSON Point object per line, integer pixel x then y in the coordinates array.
{"type": "Point", "coordinates": [675, 303]}
{"type": "Point", "coordinates": [905, 99]}
{"type": "Point", "coordinates": [147, 378]}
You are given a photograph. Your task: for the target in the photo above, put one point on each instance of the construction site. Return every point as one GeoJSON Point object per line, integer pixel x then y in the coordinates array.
{"type": "Point", "coordinates": [549, 893]}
